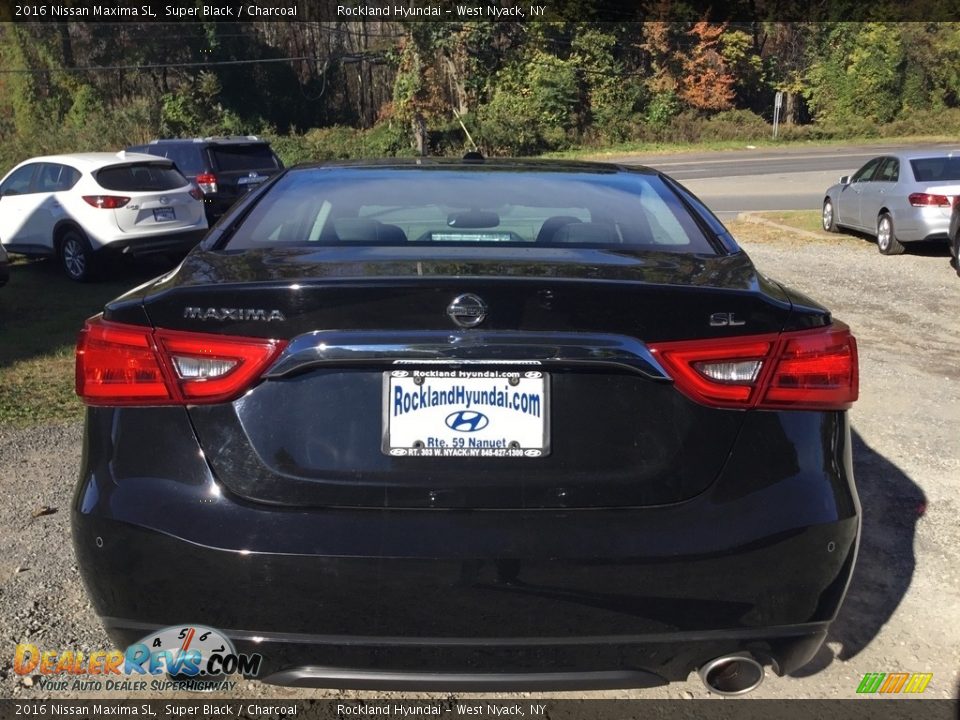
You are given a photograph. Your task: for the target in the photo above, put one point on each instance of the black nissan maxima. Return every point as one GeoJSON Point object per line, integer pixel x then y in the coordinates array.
{"type": "Point", "coordinates": [471, 425]}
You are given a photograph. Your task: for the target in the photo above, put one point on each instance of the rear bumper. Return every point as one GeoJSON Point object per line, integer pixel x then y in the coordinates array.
{"type": "Point", "coordinates": [216, 205]}
{"type": "Point", "coordinates": [922, 224]}
{"type": "Point", "coordinates": [444, 599]}
{"type": "Point", "coordinates": [156, 244]}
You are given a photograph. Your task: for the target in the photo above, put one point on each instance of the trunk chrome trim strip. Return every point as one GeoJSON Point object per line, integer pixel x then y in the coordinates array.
{"type": "Point", "coordinates": [558, 350]}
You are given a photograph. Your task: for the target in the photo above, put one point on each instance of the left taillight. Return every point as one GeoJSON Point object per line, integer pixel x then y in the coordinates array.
{"type": "Point", "coordinates": [802, 370]}
{"type": "Point", "coordinates": [929, 200]}
{"type": "Point", "coordinates": [118, 364]}
{"type": "Point", "coordinates": [106, 202]}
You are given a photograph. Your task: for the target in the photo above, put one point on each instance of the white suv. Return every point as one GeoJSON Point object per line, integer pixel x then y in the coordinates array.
{"type": "Point", "coordinates": [75, 206]}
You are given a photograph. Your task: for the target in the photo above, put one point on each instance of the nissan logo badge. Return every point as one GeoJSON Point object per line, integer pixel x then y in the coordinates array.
{"type": "Point", "coordinates": [467, 310]}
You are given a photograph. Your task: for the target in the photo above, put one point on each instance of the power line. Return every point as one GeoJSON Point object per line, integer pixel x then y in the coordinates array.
{"type": "Point", "coordinates": [311, 25]}
{"type": "Point", "coordinates": [155, 66]}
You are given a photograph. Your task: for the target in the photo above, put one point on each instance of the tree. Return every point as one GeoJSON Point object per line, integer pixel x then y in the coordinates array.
{"type": "Point", "coordinates": [857, 73]}
{"type": "Point", "coordinates": [707, 84]}
{"type": "Point", "coordinates": [612, 93]}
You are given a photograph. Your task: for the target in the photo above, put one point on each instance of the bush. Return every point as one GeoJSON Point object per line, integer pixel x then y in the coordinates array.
{"type": "Point", "coordinates": [512, 125]}
{"type": "Point", "coordinates": [736, 125]}
{"type": "Point", "coordinates": [925, 122]}
{"type": "Point", "coordinates": [386, 139]}
{"type": "Point", "coordinates": [851, 127]}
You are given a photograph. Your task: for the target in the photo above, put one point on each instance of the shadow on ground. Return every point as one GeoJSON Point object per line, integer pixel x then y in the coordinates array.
{"type": "Point", "coordinates": [41, 310]}
{"type": "Point", "coordinates": [931, 248]}
{"type": "Point", "coordinates": [891, 504]}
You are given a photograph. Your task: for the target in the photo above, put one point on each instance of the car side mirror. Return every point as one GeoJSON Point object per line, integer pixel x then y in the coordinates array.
{"type": "Point", "coordinates": [845, 180]}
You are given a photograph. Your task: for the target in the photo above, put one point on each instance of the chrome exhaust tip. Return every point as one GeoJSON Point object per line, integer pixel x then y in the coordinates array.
{"type": "Point", "coordinates": [732, 675]}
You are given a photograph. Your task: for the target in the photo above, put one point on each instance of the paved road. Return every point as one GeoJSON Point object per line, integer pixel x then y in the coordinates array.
{"type": "Point", "coordinates": [763, 179]}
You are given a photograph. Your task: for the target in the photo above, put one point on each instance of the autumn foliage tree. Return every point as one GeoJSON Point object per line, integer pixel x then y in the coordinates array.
{"type": "Point", "coordinates": [707, 83]}
{"type": "Point", "coordinates": [366, 88]}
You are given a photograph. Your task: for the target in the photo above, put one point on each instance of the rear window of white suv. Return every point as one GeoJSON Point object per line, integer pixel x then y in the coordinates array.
{"type": "Point", "coordinates": [140, 177]}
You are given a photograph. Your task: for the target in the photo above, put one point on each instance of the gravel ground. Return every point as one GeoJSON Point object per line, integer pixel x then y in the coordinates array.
{"type": "Point", "coordinates": [903, 609]}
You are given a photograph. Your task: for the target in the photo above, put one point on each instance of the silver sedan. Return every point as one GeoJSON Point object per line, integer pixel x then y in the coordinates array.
{"type": "Point", "coordinates": [898, 198]}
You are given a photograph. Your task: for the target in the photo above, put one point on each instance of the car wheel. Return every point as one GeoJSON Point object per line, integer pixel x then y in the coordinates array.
{"type": "Point", "coordinates": [76, 257]}
{"type": "Point", "coordinates": [887, 241]}
{"type": "Point", "coordinates": [829, 217]}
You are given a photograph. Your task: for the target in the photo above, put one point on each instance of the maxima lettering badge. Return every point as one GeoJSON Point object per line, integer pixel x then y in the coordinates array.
{"type": "Point", "coordinates": [199, 313]}
{"type": "Point", "coordinates": [467, 310]}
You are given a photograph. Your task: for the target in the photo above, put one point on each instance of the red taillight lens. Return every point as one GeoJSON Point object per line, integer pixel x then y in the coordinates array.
{"type": "Point", "coordinates": [196, 193]}
{"type": "Point", "coordinates": [117, 364]}
{"type": "Point", "coordinates": [815, 370]}
{"type": "Point", "coordinates": [927, 200]}
{"type": "Point", "coordinates": [696, 367]}
{"type": "Point", "coordinates": [207, 182]}
{"type": "Point", "coordinates": [211, 368]}
{"type": "Point", "coordinates": [106, 202]}
{"type": "Point", "coordinates": [808, 369]}
{"type": "Point", "coordinates": [129, 365]}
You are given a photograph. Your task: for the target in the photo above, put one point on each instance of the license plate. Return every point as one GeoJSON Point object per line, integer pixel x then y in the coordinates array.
{"type": "Point", "coordinates": [164, 213]}
{"type": "Point", "coordinates": [251, 180]}
{"type": "Point", "coordinates": [466, 413]}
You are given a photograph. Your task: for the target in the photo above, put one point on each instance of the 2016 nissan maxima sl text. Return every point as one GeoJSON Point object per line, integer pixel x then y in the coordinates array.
{"type": "Point", "coordinates": [471, 425]}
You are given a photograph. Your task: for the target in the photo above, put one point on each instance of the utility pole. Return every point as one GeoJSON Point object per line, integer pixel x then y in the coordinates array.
{"type": "Point", "coordinates": [777, 104]}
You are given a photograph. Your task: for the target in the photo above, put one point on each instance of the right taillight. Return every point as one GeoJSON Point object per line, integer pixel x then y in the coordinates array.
{"type": "Point", "coordinates": [814, 370]}
{"type": "Point", "coordinates": [207, 182]}
{"type": "Point", "coordinates": [802, 370]}
{"type": "Point", "coordinates": [120, 364]}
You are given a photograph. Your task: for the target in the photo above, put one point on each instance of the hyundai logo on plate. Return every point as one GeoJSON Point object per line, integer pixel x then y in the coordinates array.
{"type": "Point", "coordinates": [467, 310]}
{"type": "Point", "coordinates": [467, 421]}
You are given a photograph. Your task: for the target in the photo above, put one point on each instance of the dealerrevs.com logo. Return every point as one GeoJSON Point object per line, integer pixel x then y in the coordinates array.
{"type": "Point", "coordinates": [894, 683]}
{"type": "Point", "coordinates": [182, 657]}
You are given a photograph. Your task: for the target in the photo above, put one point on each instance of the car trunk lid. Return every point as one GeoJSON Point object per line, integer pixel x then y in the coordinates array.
{"type": "Point", "coordinates": [573, 327]}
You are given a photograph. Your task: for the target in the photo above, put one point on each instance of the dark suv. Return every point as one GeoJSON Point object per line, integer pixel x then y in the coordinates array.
{"type": "Point", "coordinates": [224, 168]}
{"type": "Point", "coordinates": [4, 267]}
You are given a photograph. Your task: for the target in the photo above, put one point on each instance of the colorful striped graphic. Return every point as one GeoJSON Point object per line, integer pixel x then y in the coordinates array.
{"type": "Point", "coordinates": [894, 683]}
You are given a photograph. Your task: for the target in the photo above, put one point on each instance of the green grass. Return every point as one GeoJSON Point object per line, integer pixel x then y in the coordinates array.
{"type": "Point", "coordinates": [649, 148]}
{"type": "Point", "coordinates": [41, 312]}
{"type": "Point", "coordinates": [800, 219]}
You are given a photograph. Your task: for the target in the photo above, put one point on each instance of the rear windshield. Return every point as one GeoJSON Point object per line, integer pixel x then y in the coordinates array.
{"type": "Point", "coordinates": [140, 177]}
{"type": "Point", "coordinates": [186, 157]}
{"type": "Point", "coordinates": [244, 157]}
{"type": "Point", "coordinates": [934, 169]}
{"type": "Point", "coordinates": [456, 207]}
